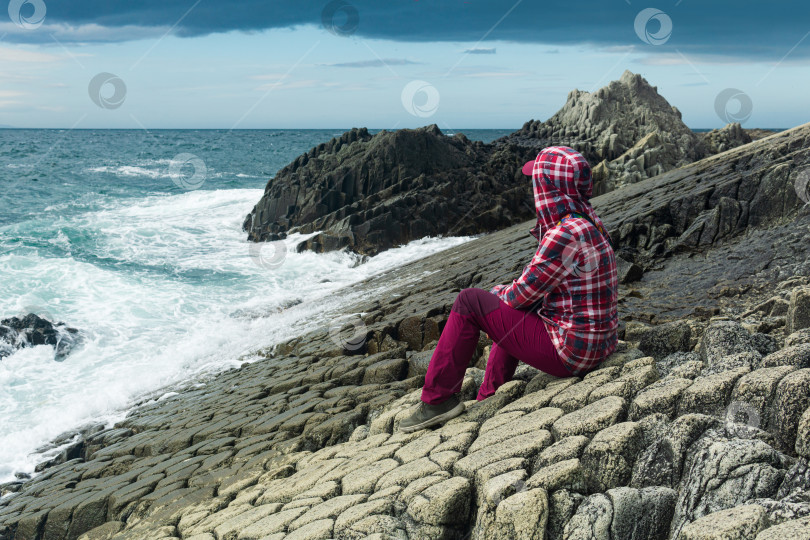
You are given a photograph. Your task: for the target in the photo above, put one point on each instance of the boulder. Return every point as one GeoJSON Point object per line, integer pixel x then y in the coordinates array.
{"type": "Point", "coordinates": [609, 458]}
{"type": "Point", "coordinates": [796, 529]}
{"type": "Point", "coordinates": [724, 338]}
{"type": "Point", "coordinates": [32, 330]}
{"type": "Point", "coordinates": [445, 503]}
{"type": "Point", "coordinates": [661, 397]}
{"type": "Point", "coordinates": [561, 507]}
{"type": "Point", "coordinates": [628, 271]}
{"type": "Point", "coordinates": [720, 473]}
{"type": "Point", "coordinates": [522, 515]}
{"type": "Point", "coordinates": [567, 448]}
{"type": "Point", "coordinates": [749, 359]}
{"type": "Point", "coordinates": [591, 419]}
{"type": "Point", "coordinates": [661, 463]}
{"type": "Point", "coordinates": [791, 401]}
{"type": "Point", "coordinates": [803, 435]}
{"type": "Point", "coordinates": [664, 339]}
{"type": "Point", "coordinates": [710, 394]}
{"type": "Point", "coordinates": [793, 355]}
{"type": "Point", "coordinates": [568, 474]}
{"type": "Point", "coordinates": [626, 513]}
{"type": "Point", "coordinates": [675, 360]}
{"type": "Point", "coordinates": [798, 337]}
{"type": "Point", "coordinates": [738, 523]}
{"type": "Point", "coordinates": [798, 313]}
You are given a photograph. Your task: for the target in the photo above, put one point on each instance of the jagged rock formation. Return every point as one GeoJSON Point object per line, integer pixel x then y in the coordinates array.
{"type": "Point", "coordinates": [726, 138]}
{"type": "Point", "coordinates": [369, 193]}
{"type": "Point", "coordinates": [31, 330]}
{"type": "Point", "coordinates": [695, 428]}
{"type": "Point", "coordinates": [626, 130]}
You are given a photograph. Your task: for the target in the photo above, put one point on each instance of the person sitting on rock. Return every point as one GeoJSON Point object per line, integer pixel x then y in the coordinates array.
{"type": "Point", "coordinates": [560, 316]}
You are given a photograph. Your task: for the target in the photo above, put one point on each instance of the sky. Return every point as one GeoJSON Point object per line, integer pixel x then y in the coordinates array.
{"type": "Point", "coordinates": [160, 64]}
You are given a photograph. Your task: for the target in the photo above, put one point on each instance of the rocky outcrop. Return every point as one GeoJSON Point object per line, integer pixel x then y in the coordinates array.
{"type": "Point", "coordinates": [626, 130]}
{"type": "Point", "coordinates": [369, 193]}
{"type": "Point", "coordinates": [32, 330]}
{"type": "Point", "coordinates": [726, 138]}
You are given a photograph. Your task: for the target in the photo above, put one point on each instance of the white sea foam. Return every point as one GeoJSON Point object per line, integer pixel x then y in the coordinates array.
{"type": "Point", "coordinates": [164, 289]}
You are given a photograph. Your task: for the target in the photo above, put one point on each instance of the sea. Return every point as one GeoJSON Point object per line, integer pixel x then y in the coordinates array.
{"type": "Point", "coordinates": [135, 238]}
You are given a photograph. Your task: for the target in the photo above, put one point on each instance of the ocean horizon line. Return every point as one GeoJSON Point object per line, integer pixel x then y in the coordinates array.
{"type": "Point", "coordinates": [311, 129]}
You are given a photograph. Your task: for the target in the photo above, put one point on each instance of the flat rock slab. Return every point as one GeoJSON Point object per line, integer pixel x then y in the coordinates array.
{"type": "Point", "coordinates": [591, 419]}
{"type": "Point", "coordinates": [524, 446]}
{"type": "Point", "coordinates": [541, 419]}
{"type": "Point", "coordinates": [738, 523]}
{"type": "Point", "coordinates": [795, 529]}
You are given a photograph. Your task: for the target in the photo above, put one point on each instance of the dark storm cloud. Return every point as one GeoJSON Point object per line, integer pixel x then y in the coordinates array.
{"type": "Point", "coordinates": [719, 28]}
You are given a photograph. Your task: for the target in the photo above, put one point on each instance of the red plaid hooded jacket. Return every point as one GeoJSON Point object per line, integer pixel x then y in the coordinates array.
{"type": "Point", "coordinates": [571, 281]}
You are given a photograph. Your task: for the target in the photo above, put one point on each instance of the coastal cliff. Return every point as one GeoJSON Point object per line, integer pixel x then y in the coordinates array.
{"type": "Point", "coordinates": [368, 193]}
{"type": "Point", "coordinates": [697, 427]}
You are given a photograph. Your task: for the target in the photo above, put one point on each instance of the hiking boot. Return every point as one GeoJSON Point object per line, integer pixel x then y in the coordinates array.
{"type": "Point", "coordinates": [427, 415]}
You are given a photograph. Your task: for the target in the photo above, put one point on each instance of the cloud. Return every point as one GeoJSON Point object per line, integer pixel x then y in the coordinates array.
{"type": "Point", "coordinates": [700, 28]}
{"type": "Point", "coordinates": [81, 33]}
{"type": "Point", "coordinates": [496, 74]}
{"type": "Point", "coordinates": [479, 51]}
{"type": "Point", "coordinates": [281, 85]}
{"type": "Point", "coordinates": [379, 62]}
{"type": "Point", "coordinates": [25, 56]}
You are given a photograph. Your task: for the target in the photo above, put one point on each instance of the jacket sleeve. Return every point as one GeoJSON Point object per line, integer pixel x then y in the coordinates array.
{"type": "Point", "coordinates": [496, 289]}
{"type": "Point", "coordinates": [545, 271]}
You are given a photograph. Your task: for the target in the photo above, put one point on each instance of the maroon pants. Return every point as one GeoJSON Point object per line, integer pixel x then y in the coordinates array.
{"type": "Point", "coordinates": [517, 335]}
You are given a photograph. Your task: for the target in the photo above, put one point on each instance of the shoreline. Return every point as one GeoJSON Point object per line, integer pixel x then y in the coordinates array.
{"type": "Point", "coordinates": [56, 450]}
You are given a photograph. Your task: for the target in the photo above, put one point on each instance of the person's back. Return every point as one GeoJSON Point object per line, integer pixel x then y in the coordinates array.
{"type": "Point", "coordinates": [560, 315]}
{"type": "Point", "coordinates": [583, 307]}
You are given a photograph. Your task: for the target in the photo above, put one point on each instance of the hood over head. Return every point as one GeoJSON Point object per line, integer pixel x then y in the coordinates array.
{"type": "Point", "coordinates": [561, 178]}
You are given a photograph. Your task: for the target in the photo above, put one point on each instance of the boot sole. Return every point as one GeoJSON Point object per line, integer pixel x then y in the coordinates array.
{"type": "Point", "coordinates": [438, 419]}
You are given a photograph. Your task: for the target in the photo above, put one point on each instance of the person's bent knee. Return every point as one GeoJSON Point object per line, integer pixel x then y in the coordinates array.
{"type": "Point", "coordinates": [475, 301]}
